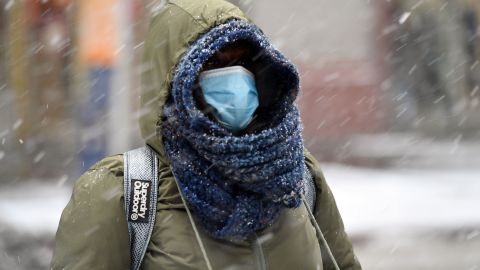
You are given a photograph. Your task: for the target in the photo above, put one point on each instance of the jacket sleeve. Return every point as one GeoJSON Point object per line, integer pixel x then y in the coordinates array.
{"type": "Point", "coordinates": [330, 222]}
{"type": "Point", "coordinates": [93, 230]}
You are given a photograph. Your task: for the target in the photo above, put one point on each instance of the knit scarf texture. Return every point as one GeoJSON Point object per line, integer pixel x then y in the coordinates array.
{"type": "Point", "coordinates": [234, 185]}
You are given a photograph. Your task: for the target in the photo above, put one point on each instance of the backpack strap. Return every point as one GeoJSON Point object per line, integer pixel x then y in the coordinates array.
{"type": "Point", "coordinates": [140, 186]}
{"type": "Point", "coordinates": [309, 200]}
{"type": "Point", "coordinates": [310, 189]}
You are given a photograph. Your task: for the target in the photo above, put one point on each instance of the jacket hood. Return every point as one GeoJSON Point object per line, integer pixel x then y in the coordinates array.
{"type": "Point", "coordinates": [181, 37]}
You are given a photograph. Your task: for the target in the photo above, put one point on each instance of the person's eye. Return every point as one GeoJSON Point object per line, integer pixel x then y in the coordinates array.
{"type": "Point", "coordinates": [240, 63]}
{"type": "Point", "coordinates": [211, 64]}
{"type": "Point", "coordinates": [244, 62]}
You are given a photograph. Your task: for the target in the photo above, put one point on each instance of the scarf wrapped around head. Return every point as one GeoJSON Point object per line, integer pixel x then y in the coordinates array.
{"type": "Point", "coordinates": [234, 185]}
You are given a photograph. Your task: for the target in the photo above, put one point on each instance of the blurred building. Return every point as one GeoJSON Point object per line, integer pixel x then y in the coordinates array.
{"type": "Point", "coordinates": [434, 54]}
{"type": "Point", "coordinates": [372, 67]}
{"type": "Point", "coordinates": [367, 67]}
{"type": "Point", "coordinates": [339, 51]}
{"type": "Point", "coordinates": [48, 47]}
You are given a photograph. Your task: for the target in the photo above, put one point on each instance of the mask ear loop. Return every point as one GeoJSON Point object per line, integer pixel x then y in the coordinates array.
{"type": "Point", "coordinates": [320, 234]}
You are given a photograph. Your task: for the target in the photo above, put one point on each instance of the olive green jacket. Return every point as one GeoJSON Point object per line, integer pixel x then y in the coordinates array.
{"type": "Point", "coordinates": [93, 230]}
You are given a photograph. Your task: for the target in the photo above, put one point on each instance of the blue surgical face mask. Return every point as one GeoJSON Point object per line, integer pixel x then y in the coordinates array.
{"type": "Point", "coordinates": [232, 94]}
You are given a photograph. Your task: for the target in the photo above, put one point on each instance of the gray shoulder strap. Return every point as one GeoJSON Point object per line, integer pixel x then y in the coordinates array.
{"type": "Point", "coordinates": [310, 189]}
{"type": "Point", "coordinates": [309, 201]}
{"type": "Point", "coordinates": [140, 185]}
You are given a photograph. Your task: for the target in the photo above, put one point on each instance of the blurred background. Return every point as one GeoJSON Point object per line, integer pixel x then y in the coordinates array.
{"type": "Point", "coordinates": [390, 106]}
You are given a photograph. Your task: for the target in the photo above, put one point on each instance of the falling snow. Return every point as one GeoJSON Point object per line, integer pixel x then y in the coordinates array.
{"type": "Point", "coordinates": [404, 17]}
{"type": "Point", "coordinates": [9, 5]}
{"type": "Point", "coordinates": [389, 99]}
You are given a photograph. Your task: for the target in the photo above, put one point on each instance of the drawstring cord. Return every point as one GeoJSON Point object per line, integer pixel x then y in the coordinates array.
{"type": "Point", "coordinates": [320, 234]}
{"type": "Point", "coordinates": [197, 235]}
{"type": "Point", "coordinates": [310, 214]}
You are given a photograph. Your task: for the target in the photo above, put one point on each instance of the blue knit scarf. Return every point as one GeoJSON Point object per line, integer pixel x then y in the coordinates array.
{"type": "Point", "coordinates": [234, 185]}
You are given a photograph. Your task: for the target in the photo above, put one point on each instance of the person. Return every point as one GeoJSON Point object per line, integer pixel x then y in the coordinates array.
{"type": "Point", "coordinates": [218, 109]}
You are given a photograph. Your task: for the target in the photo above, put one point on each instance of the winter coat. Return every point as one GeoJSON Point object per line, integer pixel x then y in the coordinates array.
{"type": "Point", "coordinates": [93, 230]}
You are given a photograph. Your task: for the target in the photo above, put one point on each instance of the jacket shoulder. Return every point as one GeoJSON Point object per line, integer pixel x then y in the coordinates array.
{"type": "Point", "coordinates": [105, 176]}
{"type": "Point", "coordinates": [93, 230]}
{"type": "Point", "coordinates": [330, 221]}
{"type": "Point", "coordinates": [111, 164]}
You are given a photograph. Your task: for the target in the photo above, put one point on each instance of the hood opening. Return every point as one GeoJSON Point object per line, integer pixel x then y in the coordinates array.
{"type": "Point", "coordinates": [250, 56]}
{"type": "Point", "coordinates": [275, 77]}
